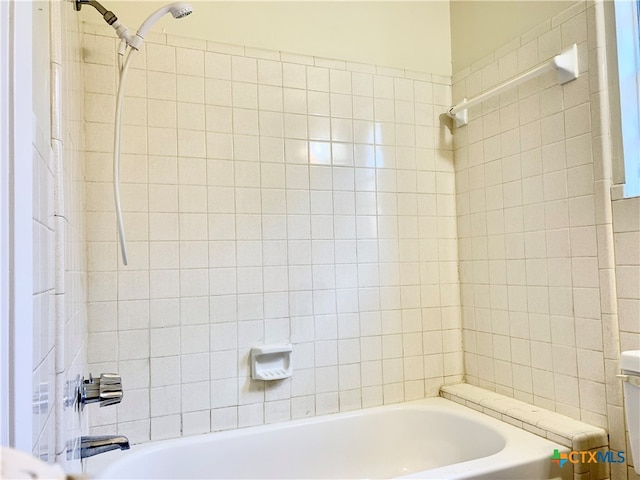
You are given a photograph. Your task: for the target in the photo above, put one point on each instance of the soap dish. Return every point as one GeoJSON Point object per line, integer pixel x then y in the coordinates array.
{"type": "Point", "coordinates": [271, 362]}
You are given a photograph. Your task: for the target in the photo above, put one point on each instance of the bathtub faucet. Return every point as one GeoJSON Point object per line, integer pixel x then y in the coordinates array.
{"type": "Point", "coordinates": [90, 446]}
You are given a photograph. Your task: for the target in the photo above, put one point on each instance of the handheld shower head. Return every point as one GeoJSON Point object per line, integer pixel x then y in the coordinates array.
{"type": "Point", "coordinates": [182, 11]}
{"type": "Point", "coordinates": [178, 10]}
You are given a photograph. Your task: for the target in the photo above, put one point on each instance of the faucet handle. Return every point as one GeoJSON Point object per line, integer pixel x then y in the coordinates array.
{"type": "Point", "coordinates": [107, 389]}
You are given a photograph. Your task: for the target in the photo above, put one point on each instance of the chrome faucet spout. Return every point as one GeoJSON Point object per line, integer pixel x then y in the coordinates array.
{"type": "Point", "coordinates": [90, 446]}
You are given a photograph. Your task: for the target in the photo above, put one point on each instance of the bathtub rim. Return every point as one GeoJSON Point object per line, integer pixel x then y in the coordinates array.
{"type": "Point", "coordinates": [509, 455]}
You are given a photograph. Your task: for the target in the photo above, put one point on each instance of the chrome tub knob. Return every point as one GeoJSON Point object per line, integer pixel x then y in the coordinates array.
{"type": "Point", "coordinates": [107, 390]}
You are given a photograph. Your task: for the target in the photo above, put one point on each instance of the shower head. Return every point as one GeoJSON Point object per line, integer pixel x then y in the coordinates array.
{"type": "Point", "coordinates": [182, 11]}
{"type": "Point", "coordinates": [178, 10]}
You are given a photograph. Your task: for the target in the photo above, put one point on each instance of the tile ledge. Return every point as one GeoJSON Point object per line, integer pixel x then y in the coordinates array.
{"type": "Point", "coordinates": [617, 192]}
{"type": "Point", "coordinates": [576, 434]}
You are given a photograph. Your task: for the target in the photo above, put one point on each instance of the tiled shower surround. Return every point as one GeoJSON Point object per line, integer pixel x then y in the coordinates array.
{"type": "Point", "coordinates": [626, 226]}
{"type": "Point", "coordinates": [527, 227]}
{"type": "Point", "coordinates": [537, 264]}
{"type": "Point", "coordinates": [275, 198]}
{"type": "Point", "coordinates": [59, 260]}
{"type": "Point", "coordinates": [268, 198]}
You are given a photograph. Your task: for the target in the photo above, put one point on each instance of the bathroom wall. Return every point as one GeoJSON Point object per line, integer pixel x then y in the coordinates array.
{"type": "Point", "coordinates": [626, 226]}
{"type": "Point", "coordinates": [538, 278]}
{"type": "Point", "coordinates": [398, 34]}
{"type": "Point", "coordinates": [59, 267]}
{"type": "Point", "coordinates": [268, 197]}
{"type": "Point", "coordinates": [44, 319]}
{"type": "Point", "coordinates": [71, 258]}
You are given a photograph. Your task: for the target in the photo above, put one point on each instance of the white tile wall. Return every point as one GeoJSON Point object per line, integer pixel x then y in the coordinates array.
{"type": "Point", "coordinates": [44, 303]}
{"type": "Point", "coordinates": [60, 321]}
{"type": "Point", "coordinates": [527, 288]}
{"type": "Point", "coordinates": [535, 230]}
{"type": "Point", "coordinates": [272, 197]}
{"type": "Point", "coordinates": [626, 224]}
{"type": "Point", "coordinates": [268, 198]}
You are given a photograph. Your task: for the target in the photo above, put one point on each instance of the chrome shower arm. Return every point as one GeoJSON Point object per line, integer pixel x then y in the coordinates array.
{"type": "Point", "coordinates": [121, 30]}
{"type": "Point", "coordinates": [108, 15]}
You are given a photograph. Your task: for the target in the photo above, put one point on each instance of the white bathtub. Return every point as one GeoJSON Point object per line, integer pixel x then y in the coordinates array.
{"type": "Point", "coordinates": [431, 438]}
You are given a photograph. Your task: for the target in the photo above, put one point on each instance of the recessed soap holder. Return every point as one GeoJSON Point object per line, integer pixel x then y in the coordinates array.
{"type": "Point", "coordinates": [271, 362]}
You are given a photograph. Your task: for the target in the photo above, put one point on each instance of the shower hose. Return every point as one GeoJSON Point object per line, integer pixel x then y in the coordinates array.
{"type": "Point", "coordinates": [124, 68]}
